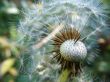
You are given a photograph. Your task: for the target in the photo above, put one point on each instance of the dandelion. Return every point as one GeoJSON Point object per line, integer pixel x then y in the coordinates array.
{"type": "Point", "coordinates": [78, 21]}
{"type": "Point", "coordinates": [70, 50]}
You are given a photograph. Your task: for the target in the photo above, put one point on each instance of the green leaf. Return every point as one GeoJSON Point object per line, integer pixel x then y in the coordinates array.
{"type": "Point", "coordinates": [6, 66]}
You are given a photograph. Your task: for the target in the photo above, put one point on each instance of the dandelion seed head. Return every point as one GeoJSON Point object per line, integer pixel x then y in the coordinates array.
{"type": "Point", "coordinates": [73, 51]}
{"type": "Point", "coordinates": [87, 17]}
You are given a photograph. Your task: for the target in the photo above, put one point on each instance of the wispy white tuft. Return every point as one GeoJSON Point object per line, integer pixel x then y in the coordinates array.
{"type": "Point", "coordinates": [87, 16]}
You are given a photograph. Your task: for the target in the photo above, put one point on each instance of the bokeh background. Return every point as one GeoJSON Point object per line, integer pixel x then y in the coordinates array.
{"type": "Point", "coordinates": [10, 14]}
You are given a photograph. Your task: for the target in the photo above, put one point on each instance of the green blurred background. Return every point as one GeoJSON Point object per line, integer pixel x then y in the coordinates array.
{"type": "Point", "coordinates": [10, 14]}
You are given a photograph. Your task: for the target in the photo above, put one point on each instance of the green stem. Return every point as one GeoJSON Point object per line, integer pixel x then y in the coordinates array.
{"type": "Point", "coordinates": [64, 76]}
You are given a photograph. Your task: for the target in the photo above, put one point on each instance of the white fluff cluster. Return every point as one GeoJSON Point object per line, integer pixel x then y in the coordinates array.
{"type": "Point", "coordinates": [87, 16]}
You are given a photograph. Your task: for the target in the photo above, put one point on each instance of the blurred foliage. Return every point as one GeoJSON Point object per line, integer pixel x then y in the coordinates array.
{"type": "Point", "coordinates": [8, 17]}
{"type": "Point", "coordinates": [8, 58]}
{"type": "Point", "coordinates": [9, 51]}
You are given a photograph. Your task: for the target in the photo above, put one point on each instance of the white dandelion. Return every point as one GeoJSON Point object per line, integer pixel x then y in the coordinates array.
{"type": "Point", "coordinates": [45, 21]}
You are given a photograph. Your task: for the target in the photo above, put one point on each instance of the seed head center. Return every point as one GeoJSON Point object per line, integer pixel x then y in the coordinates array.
{"type": "Point", "coordinates": [72, 51]}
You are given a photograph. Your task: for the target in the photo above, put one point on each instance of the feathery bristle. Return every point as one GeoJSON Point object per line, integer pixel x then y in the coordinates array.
{"type": "Point", "coordinates": [66, 34]}
{"type": "Point", "coordinates": [59, 39]}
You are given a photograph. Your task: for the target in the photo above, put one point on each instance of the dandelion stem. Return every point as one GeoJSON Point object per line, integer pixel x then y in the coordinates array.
{"type": "Point", "coordinates": [64, 76]}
